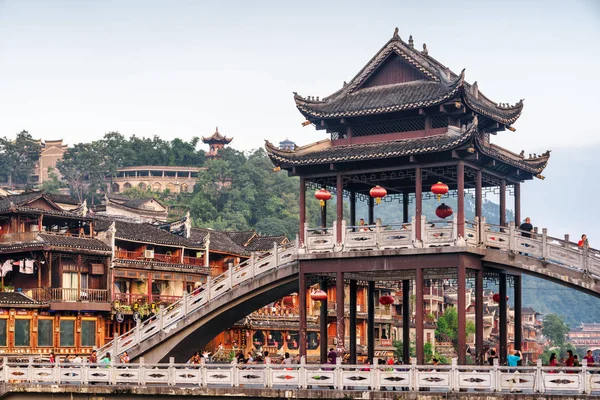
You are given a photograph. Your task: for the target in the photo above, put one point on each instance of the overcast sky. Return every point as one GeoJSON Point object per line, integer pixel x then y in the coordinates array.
{"type": "Point", "coordinates": [78, 69]}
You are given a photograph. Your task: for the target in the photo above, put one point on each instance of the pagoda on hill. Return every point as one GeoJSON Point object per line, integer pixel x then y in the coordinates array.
{"type": "Point", "coordinates": [402, 125]}
{"type": "Point", "coordinates": [216, 143]}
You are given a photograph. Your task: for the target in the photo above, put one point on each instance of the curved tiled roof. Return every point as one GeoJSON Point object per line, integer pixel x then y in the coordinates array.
{"type": "Point", "coordinates": [368, 151]}
{"type": "Point", "coordinates": [73, 242]}
{"type": "Point", "coordinates": [219, 241]}
{"type": "Point", "coordinates": [241, 237]}
{"type": "Point", "coordinates": [265, 243]}
{"type": "Point", "coordinates": [354, 100]}
{"type": "Point", "coordinates": [533, 165]}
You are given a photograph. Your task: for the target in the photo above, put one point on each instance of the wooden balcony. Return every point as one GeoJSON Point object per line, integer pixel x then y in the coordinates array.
{"type": "Point", "coordinates": [166, 258]}
{"type": "Point", "coordinates": [18, 237]}
{"type": "Point", "coordinates": [130, 299]}
{"type": "Point", "coordinates": [198, 261]}
{"type": "Point", "coordinates": [46, 295]}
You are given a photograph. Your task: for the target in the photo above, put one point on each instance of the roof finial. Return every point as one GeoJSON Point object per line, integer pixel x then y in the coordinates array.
{"type": "Point", "coordinates": [217, 129]}
{"type": "Point", "coordinates": [396, 34]}
{"type": "Point", "coordinates": [475, 89]}
{"type": "Point", "coordinates": [345, 83]}
{"type": "Point", "coordinates": [425, 49]}
{"type": "Point", "coordinates": [411, 42]}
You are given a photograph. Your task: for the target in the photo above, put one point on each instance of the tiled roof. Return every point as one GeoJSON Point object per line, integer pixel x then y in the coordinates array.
{"type": "Point", "coordinates": [325, 153]}
{"type": "Point", "coordinates": [534, 165]}
{"type": "Point", "coordinates": [136, 203]}
{"type": "Point", "coordinates": [15, 298]}
{"type": "Point", "coordinates": [17, 200]}
{"type": "Point", "coordinates": [219, 241]}
{"type": "Point", "coordinates": [381, 99]}
{"type": "Point", "coordinates": [264, 243]}
{"type": "Point", "coordinates": [31, 245]}
{"type": "Point", "coordinates": [73, 242]}
{"type": "Point", "coordinates": [241, 237]}
{"type": "Point", "coordinates": [18, 203]}
{"type": "Point", "coordinates": [62, 198]}
{"type": "Point", "coordinates": [146, 233]}
{"type": "Point", "coordinates": [216, 137]}
{"type": "Point", "coordinates": [353, 100]}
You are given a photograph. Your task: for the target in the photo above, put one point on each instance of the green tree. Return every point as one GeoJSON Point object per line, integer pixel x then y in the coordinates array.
{"type": "Point", "coordinates": [555, 329]}
{"type": "Point", "coordinates": [54, 184]}
{"type": "Point", "coordinates": [447, 327]}
{"type": "Point", "coordinates": [84, 167]}
{"type": "Point", "coordinates": [18, 157]}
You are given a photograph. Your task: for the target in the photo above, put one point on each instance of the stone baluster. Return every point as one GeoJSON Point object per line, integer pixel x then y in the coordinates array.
{"type": "Point", "coordinates": [585, 257]}
{"type": "Point", "coordinates": [275, 255]}
{"type": "Point", "coordinates": [454, 384]}
{"type": "Point", "coordinates": [142, 372]}
{"type": "Point", "coordinates": [566, 240]}
{"type": "Point", "coordinates": [302, 373]}
{"type": "Point", "coordinates": [203, 372]}
{"type": "Point", "coordinates": [184, 303]}
{"type": "Point", "coordinates": [483, 227]}
{"type": "Point", "coordinates": [512, 236]}
{"type": "Point", "coordinates": [252, 263]}
{"type": "Point", "coordinates": [208, 288]}
{"type": "Point", "coordinates": [539, 381]}
{"type": "Point", "coordinates": [172, 372]}
{"type": "Point", "coordinates": [544, 243]}
{"type": "Point", "coordinates": [161, 318]}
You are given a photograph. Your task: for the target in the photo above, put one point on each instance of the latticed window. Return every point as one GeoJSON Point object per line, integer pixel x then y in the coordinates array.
{"type": "Point", "coordinates": [338, 132]}
{"type": "Point", "coordinates": [382, 127]}
{"type": "Point", "coordinates": [439, 121]}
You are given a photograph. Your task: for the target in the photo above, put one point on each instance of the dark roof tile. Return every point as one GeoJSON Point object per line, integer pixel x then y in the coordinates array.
{"type": "Point", "coordinates": [16, 298]}
{"type": "Point", "coordinates": [219, 241]}
{"type": "Point", "coordinates": [73, 242]}
{"type": "Point", "coordinates": [265, 243]}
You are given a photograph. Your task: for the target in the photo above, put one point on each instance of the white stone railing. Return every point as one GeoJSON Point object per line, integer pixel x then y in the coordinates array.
{"type": "Point", "coordinates": [531, 379]}
{"type": "Point", "coordinates": [445, 233]}
{"type": "Point", "coordinates": [215, 287]}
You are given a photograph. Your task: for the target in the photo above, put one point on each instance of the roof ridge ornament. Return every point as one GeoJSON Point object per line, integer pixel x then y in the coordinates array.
{"type": "Point", "coordinates": [396, 34]}
{"type": "Point", "coordinates": [411, 42]}
{"type": "Point", "coordinates": [475, 89]}
{"type": "Point", "coordinates": [425, 51]}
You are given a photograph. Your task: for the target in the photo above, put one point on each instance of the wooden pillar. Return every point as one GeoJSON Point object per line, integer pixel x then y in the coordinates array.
{"type": "Point", "coordinates": [371, 320]}
{"type": "Point", "coordinates": [478, 194]}
{"type": "Point", "coordinates": [302, 313]}
{"type": "Point", "coordinates": [502, 325]}
{"type": "Point", "coordinates": [518, 315]}
{"type": "Point", "coordinates": [406, 321]}
{"type": "Point", "coordinates": [340, 319]}
{"type": "Point", "coordinates": [353, 302]}
{"type": "Point", "coordinates": [419, 317]}
{"type": "Point", "coordinates": [78, 279]}
{"type": "Point", "coordinates": [418, 201]}
{"type": "Point", "coordinates": [302, 208]}
{"type": "Point", "coordinates": [371, 211]}
{"type": "Point", "coordinates": [503, 202]}
{"type": "Point", "coordinates": [517, 204]}
{"type": "Point", "coordinates": [323, 323]}
{"type": "Point", "coordinates": [149, 289]}
{"type": "Point", "coordinates": [339, 215]}
{"type": "Point", "coordinates": [460, 176]}
{"type": "Point", "coordinates": [405, 207]}
{"type": "Point", "coordinates": [479, 314]}
{"type": "Point", "coordinates": [462, 310]}
{"type": "Point", "coordinates": [352, 208]}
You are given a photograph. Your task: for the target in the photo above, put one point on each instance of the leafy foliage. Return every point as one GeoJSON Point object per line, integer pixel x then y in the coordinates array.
{"type": "Point", "coordinates": [18, 157]}
{"type": "Point", "coordinates": [555, 329]}
{"type": "Point", "coordinates": [447, 327]}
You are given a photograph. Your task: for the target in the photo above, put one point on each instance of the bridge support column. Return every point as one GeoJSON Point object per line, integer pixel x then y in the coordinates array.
{"type": "Point", "coordinates": [503, 320]}
{"type": "Point", "coordinates": [517, 204]}
{"type": "Point", "coordinates": [479, 315]}
{"type": "Point", "coordinates": [353, 301]}
{"type": "Point", "coordinates": [518, 316]}
{"type": "Point", "coordinates": [461, 302]}
{"type": "Point", "coordinates": [323, 323]}
{"type": "Point", "coordinates": [418, 201]}
{"type": "Point", "coordinates": [352, 208]}
{"type": "Point", "coordinates": [460, 177]}
{"type": "Point", "coordinates": [339, 210]}
{"type": "Point", "coordinates": [419, 317]}
{"type": "Point", "coordinates": [302, 313]}
{"type": "Point", "coordinates": [503, 202]}
{"type": "Point", "coordinates": [371, 320]}
{"type": "Point", "coordinates": [302, 208]}
{"type": "Point", "coordinates": [371, 211]}
{"type": "Point", "coordinates": [478, 194]}
{"type": "Point", "coordinates": [406, 321]}
{"type": "Point", "coordinates": [405, 207]}
{"type": "Point", "coordinates": [340, 318]}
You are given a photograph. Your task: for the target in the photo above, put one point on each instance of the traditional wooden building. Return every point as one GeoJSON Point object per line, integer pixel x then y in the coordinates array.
{"type": "Point", "coordinates": [404, 123]}
{"type": "Point", "coordinates": [54, 288]}
{"type": "Point", "coordinates": [215, 142]}
{"type": "Point", "coordinates": [146, 209]}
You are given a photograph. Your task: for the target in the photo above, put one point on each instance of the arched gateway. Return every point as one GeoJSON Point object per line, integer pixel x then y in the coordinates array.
{"type": "Point", "coordinates": [404, 123]}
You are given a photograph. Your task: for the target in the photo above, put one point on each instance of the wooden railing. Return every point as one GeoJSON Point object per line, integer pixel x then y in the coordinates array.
{"type": "Point", "coordinates": [167, 258]}
{"type": "Point", "coordinates": [529, 380]}
{"type": "Point", "coordinates": [91, 295]}
{"type": "Point", "coordinates": [199, 261]}
{"type": "Point", "coordinates": [132, 298]}
{"type": "Point", "coordinates": [128, 255]}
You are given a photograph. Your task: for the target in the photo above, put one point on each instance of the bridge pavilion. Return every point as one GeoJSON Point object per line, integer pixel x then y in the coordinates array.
{"type": "Point", "coordinates": [404, 123]}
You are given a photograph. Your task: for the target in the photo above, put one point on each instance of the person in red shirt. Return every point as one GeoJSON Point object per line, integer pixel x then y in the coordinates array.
{"type": "Point", "coordinates": [583, 241]}
{"type": "Point", "coordinates": [589, 358]}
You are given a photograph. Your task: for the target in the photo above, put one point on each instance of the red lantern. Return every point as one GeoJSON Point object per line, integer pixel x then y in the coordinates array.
{"type": "Point", "coordinates": [378, 193]}
{"type": "Point", "coordinates": [439, 189]}
{"type": "Point", "coordinates": [322, 195]}
{"type": "Point", "coordinates": [443, 211]}
{"type": "Point", "coordinates": [386, 300]}
{"type": "Point", "coordinates": [318, 295]}
{"type": "Point", "coordinates": [496, 297]}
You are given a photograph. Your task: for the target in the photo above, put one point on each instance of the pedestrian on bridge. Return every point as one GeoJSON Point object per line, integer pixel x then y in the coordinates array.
{"type": "Point", "coordinates": [589, 358]}
{"type": "Point", "coordinates": [583, 242]}
{"type": "Point", "coordinates": [526, 227]}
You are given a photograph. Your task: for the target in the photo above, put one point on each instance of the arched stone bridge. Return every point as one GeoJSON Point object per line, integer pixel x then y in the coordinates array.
{"type": "Point", "coordinates": [191, 322]}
